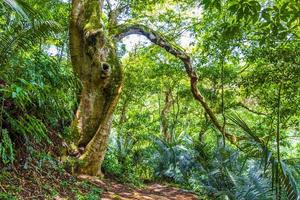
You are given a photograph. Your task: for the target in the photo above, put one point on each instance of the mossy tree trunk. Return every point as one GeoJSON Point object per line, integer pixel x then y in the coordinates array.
{"type": "Point", "coordinates": [95, 62]}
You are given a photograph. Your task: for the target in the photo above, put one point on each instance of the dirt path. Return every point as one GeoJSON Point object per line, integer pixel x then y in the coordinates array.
{"type": "Point", "coordinates": [117, 191]}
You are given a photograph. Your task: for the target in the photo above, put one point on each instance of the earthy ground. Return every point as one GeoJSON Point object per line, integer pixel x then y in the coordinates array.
{"type": "Point", "coordinates": [117, 191]}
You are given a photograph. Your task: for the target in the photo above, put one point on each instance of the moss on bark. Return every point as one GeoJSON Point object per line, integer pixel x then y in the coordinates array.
{"type": "Point", "coordinates": [95, 61]}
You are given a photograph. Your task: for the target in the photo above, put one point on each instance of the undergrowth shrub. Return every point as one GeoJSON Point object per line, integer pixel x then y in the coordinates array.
{"type": "Point", "coordinates": [38, 98]}
{"type": "Point", "coordinates": [128, 160]}
{"type": "Point", "coordinates": [6, 147]}
{"type": "Point", "coordinates": [212, 170]}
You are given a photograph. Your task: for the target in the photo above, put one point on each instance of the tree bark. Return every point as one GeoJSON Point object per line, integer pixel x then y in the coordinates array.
{"type": "Point", "coordinates": [95, 62]}
{"type": "Point", "coordinates": [164, 115]}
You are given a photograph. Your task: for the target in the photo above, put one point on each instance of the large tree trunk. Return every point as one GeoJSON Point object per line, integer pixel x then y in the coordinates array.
{"type": "Point", "coordinates": [95, 62]}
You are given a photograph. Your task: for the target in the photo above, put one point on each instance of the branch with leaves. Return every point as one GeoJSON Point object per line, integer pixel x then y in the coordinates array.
{"type": "Point", "coordinates": [178, 52]}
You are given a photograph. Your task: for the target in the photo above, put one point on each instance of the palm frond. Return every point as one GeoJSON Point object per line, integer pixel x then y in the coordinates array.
{"type": "Point", "coordinates": [23, 36]}
{"type": "Point", "coordinates": [17, 38]}
{"type": "Point", "coordinates": [235, 118]}
{"type": "Point", "coordinates": [286, 179]}
{"type": "Point", "coordinates": [23, 9]}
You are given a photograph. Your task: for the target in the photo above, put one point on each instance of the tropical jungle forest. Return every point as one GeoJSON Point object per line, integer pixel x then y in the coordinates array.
{"type": "Point", "coordinates": [150, 99]}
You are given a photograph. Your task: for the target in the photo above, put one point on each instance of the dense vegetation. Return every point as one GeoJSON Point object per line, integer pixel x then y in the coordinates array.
{"type": "Point", "coordinates": [235, 136]}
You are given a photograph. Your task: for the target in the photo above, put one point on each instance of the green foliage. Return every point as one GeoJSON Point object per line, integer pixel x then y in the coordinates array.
{"type": "Point", "coordinates": [5, 196]}
{"type": "Point", "coordinates": [248, 10]}
{"type": "Point", "coordinates": [280, 170]}
{"type": "Point", "coordinates": [32, 127]}
{"type": "Point", "coordinates": [6, 147]}
{"type": "Point", "coordinates": [244, 52]}
{"type": "Point", "coordinates": [28, 111]}
{"type": "Point", "coordinates": [228, 178]}
{"type": "Point", "coordinates": [22, 8]}
{"type": "Point", "coordinates": [22, 34]}
{"type": "Point", "coordinates": [37, 91]}
{"type": "Point", "coordinates": [93, 194]}
{"type": "Point", "coordinates": [122, 159]}
{"type": "Point", "coordinates": [174, 160]}
{"type": "Point", "coordinates": [45, 175]}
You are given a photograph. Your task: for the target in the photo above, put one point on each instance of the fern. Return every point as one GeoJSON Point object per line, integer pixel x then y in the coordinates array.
{"type": "Point", "coordinates": [30, 126]}
{"type": "Point", "coordinates": [6, 147]}
{"type": "Point", "coordinates": [22, 8]}
{"type": "Point", "coordinates": [23, 36]}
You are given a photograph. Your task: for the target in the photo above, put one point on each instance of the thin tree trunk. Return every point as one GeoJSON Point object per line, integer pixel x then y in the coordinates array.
{"type": "Point", "coordinates": [164, 115]}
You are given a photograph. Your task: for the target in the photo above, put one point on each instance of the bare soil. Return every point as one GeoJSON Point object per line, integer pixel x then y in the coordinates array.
{"type": "Point", "coordinates": [118, 191]}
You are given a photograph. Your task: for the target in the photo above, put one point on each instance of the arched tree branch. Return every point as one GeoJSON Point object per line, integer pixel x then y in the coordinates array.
{"type": "Point", "coordinates": [158, 39]}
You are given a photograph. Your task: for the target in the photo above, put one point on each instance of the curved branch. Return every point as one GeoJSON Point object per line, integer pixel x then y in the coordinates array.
{"type": "Point", "coordinates": [158, 39]}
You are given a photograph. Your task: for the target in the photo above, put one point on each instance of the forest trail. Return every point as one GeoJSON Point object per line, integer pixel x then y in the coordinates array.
{"type": "Point", "coordinates": [155, 191]}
